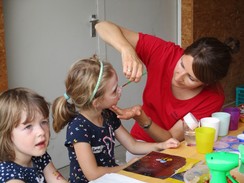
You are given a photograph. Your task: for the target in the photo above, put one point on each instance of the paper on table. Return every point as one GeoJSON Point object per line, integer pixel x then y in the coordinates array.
{"type": "Point", "coordinates": [114, 177]}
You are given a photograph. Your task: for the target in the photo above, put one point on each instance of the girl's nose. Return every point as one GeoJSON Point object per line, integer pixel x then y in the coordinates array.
{"type": "Point", "coordinates": [41, 130]}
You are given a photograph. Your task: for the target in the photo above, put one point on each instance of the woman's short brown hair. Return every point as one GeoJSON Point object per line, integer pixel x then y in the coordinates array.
{"type": "Point", "coordinates": [212, 58]}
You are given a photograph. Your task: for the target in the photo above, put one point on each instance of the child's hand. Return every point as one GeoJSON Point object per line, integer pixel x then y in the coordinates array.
{"type": "Point", "coordinates": [170, 143]}
{"type": "Point", "coordinates": [127, 113]}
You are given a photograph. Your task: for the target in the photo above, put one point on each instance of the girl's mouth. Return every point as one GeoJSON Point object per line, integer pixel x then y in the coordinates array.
{"type": "Point", "coordinates": [42, 143]}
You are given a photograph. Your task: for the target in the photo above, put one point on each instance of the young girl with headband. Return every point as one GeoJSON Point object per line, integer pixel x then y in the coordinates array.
{"type": "Point", "coordinates": [24, 137]}
{"type": "Point", "coordinates": [91, 90]}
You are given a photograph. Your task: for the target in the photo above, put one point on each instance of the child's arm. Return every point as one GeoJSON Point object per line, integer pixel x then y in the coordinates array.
{"type": "Point", "coordinates": [88, 162]}
{"type": "Point", "coordinates": [52, 175]}
{"type": "Point", "coordinates": [15, 181]}
{"type": "Point", "coordinates": [138, 147]}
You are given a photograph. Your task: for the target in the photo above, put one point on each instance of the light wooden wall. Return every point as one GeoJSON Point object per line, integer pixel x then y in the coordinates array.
{"type": "Point", "coordinates": [3, 66]}
{"type": "Point", "coordinates": [186, 22]}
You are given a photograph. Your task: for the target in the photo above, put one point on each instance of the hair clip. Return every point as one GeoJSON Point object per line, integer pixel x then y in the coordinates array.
{"type": "Point", "coordinates": [67, 97]}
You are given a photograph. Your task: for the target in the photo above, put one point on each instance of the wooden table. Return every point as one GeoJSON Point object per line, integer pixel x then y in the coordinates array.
{"type": "Point", "coordinates": [188, 152]}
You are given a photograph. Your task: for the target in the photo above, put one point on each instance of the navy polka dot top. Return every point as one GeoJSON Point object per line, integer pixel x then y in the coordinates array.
{"type": "Point", "coordinates": [10, 170]}
{"type": "Point", "coordinates": [101, 139]}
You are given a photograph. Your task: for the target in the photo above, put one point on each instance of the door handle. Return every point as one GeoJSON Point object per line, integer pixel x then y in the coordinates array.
{"type": "Point", "coordinates": [93, 21]}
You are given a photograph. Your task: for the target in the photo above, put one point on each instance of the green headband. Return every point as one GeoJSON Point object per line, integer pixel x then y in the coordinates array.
{"type": "Point", "coordinates": [98, 81]}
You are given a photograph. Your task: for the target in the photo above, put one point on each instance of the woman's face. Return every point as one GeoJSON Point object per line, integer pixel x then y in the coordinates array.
{"type": "Point", "coordinates": [183, 76]}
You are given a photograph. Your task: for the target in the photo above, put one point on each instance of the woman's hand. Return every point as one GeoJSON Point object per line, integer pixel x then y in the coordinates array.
{"type": "Point", "coordinates": [125, 41]}
{"type": "Point", "coordinates": [132, 64]}
{"type": "Point", "coordinates": [127, 113]}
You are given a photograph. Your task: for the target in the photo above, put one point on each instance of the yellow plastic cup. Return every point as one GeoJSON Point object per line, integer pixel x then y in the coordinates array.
{"type": "Point", "coordinates": [204, 139]}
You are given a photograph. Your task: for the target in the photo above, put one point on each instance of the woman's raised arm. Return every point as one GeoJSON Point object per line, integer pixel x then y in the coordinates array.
{"type": "Point", "coordinates": [124, 41]}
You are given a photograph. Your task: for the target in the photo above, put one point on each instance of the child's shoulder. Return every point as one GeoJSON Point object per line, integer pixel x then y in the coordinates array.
{"type": "Point", "coordinates": [10, 171]}
{"type": "Point", "coordinates": [8, 168]}
{"type": "Point", "coordinates": [6, 164]}
{"type": "Point", "coordinates": [77, 120]}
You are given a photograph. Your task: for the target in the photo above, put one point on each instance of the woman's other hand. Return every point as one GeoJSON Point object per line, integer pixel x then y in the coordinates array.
{"type": "Point", "coordinates": [127, 113]}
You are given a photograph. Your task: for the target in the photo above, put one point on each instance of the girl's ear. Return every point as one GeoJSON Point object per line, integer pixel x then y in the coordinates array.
{"type": "Point", "coordinates": [96, 103]}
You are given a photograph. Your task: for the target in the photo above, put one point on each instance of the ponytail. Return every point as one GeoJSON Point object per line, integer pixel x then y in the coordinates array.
{"type": "Point", "coordinates": [62, 111]}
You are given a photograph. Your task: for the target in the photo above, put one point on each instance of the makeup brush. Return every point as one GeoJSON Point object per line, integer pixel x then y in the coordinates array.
{"type": "Point", "coordinates": [131, 81]}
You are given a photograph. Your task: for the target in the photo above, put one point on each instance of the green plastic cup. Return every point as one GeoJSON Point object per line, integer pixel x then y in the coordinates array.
{"type": "Point", "coordinates": [204, 139]}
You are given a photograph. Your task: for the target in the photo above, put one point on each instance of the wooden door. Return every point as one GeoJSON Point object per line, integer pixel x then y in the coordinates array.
{"type": "Point", "coordinates": [3, 67]}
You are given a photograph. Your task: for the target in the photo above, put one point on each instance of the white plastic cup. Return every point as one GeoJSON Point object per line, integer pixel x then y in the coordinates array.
{"type": "Point", "coordinates": [224, 118]}
{"type": "Point", "coordinates": [191, 121]}
{"type": "Point", "coordinates": [211, 122]}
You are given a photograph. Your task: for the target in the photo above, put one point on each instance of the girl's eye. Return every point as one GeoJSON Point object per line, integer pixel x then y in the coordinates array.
{"type": "Point", "coordinates": [114, 92]}
{"type": "Point", "coordinates": [45, 122]}
{"type": "Point", "coordinates": [28, 127]}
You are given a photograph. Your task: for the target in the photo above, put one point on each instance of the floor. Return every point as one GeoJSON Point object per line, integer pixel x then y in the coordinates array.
{"type": "Point", "coordinates": [119, 155]}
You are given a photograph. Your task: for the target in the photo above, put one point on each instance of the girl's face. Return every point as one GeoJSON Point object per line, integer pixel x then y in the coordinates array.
{"type": "Point", "coordinates": [183, 76]}
{"type": "Point", "coordinates": [112, 92]}
{"type": "Point", "coordinates": [31, 138]}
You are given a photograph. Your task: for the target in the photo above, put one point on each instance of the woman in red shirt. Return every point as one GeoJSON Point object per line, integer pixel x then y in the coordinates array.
{"type": "Point", "coordinates": [178, 81]}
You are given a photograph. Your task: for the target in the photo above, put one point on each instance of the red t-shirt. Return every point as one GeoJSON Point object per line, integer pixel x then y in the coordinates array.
{"type": "Point", "coordinates": [160, 58]}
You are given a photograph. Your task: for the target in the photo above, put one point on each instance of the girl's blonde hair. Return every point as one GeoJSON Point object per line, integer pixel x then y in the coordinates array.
{"type": "Point", "coordinates": [80, 84]}
{"type": "Point", "coordinates": [12, 103]}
